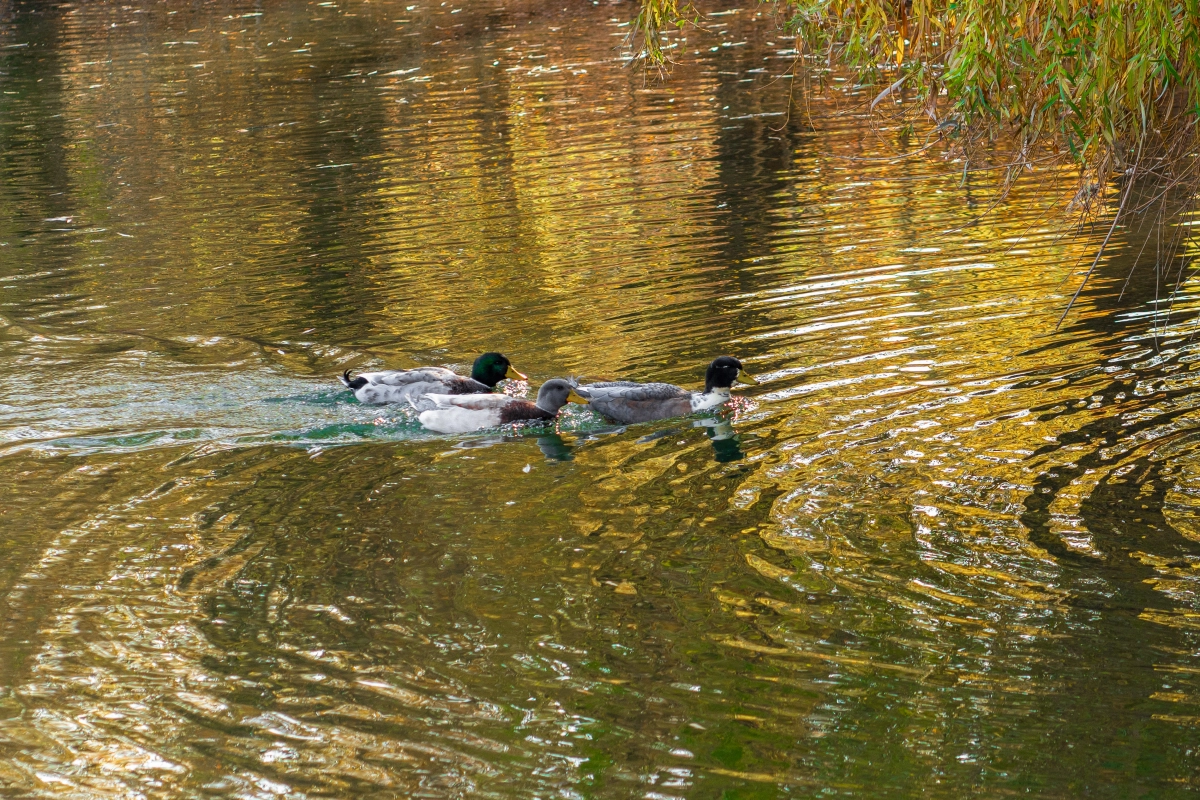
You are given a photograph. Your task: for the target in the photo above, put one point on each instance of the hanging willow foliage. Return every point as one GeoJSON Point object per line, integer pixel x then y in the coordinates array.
{"type": "Point", "coordinates": [1113, 85]}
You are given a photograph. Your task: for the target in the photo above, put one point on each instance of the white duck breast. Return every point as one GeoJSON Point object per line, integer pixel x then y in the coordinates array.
{"type": "Point", "coordinates": [703, 401]}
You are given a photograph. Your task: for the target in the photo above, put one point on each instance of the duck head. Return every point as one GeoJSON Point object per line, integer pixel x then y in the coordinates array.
{"type": "Point", "coordinates": [555, 394]}
{"type": "Point", "coordinates": [722, 372]}
{"type": "Point", "coordinates": [491, 368]}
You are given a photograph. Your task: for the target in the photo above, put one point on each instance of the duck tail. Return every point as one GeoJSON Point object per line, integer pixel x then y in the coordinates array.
{"type": "Point", "coordinates": [353, 384]}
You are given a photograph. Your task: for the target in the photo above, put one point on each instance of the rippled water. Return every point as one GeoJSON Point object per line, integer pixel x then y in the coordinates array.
{"type": "Point", "coordinates": [943, 549]}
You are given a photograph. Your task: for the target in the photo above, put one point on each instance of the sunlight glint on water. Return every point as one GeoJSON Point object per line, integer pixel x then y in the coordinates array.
{"type": "Point", "coordinates": [942, 549]}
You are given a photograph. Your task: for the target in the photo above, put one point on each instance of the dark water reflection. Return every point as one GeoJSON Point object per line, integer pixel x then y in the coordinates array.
{"type": "Point", "coordinates": [943, 549]}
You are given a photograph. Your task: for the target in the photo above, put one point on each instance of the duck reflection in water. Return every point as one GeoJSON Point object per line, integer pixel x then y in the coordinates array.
{"type": "Point", "coordinates": [725, 443]}
{"type": "Point", "coordinates": [555, 447]}
{"type": "Point", "coordinates": [719, 430]}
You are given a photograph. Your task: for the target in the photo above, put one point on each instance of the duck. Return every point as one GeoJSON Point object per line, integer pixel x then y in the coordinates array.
{"type": "Point", "coordinates": [458, 413]}
{"type": "Point", "coordinates": [400, 385]}
{"type": "Point", "coordinates": [628, 402]}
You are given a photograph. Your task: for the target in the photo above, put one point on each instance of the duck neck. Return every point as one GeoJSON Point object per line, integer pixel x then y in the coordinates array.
{"type": "Point", "coordinates": [718, 391]}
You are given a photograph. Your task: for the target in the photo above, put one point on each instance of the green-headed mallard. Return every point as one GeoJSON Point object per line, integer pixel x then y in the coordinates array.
{"type": "Point", "coordinates": [399, 385]}
{"type": "Point", "coordinates": [628, 402]}
{"type": "Point", "coordinates": [456, 413]}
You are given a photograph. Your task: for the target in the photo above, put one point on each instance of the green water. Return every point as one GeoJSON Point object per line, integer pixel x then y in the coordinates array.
{"type": "Point", "coordinates": [943, 550]}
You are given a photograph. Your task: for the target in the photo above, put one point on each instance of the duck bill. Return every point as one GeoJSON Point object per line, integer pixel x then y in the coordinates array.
{"type": "Point", "coordinates": [573, 397]}
{"type": "Point", "coordinates": [513, 375]}
{"type": "Point", "coordinates": [745, 377]}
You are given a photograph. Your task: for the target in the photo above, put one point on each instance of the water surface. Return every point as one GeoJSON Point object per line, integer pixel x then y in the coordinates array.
{"type": "Point", "coordinates": [943, 549]}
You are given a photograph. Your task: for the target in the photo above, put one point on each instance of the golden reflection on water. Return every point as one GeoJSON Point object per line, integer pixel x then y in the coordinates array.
{"type": "Point", "coordinates": [943, 549]}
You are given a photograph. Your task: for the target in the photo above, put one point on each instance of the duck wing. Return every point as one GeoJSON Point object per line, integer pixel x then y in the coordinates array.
{"type": "Point", "coordinates": [474, 402]}
{"type": "Point", "coordinates": [400, 385]}
{"type": "Point", "coordinates": [629, 402]}
{"type": "Point", "coordinates": [631, 390]}
{"type": "Point", "coordinates": [406, 377]}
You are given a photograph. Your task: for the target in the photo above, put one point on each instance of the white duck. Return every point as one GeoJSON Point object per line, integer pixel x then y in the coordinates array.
{"type": "Point", "coordinates": [459, 413]}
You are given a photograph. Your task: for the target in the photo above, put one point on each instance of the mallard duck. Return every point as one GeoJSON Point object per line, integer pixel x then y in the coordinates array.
{"type": "Point", "coordinates": [456, 413]}
{"type": "Point", "coordinates": [399, 385]}
{"type": "Point", "coordinates": [628, 402]}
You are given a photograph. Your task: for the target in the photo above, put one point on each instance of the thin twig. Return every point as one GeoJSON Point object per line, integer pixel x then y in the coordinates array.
{"type": "Point", "coordinates": [1107, 237]}
{"type": "Point", "coordinates": [879, 98]}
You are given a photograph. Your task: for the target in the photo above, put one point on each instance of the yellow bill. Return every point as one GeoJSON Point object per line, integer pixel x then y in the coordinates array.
{"type": "Point", "coordinates": [512, 374]}
{"type": "Point", "coordinates": [746, 377]}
